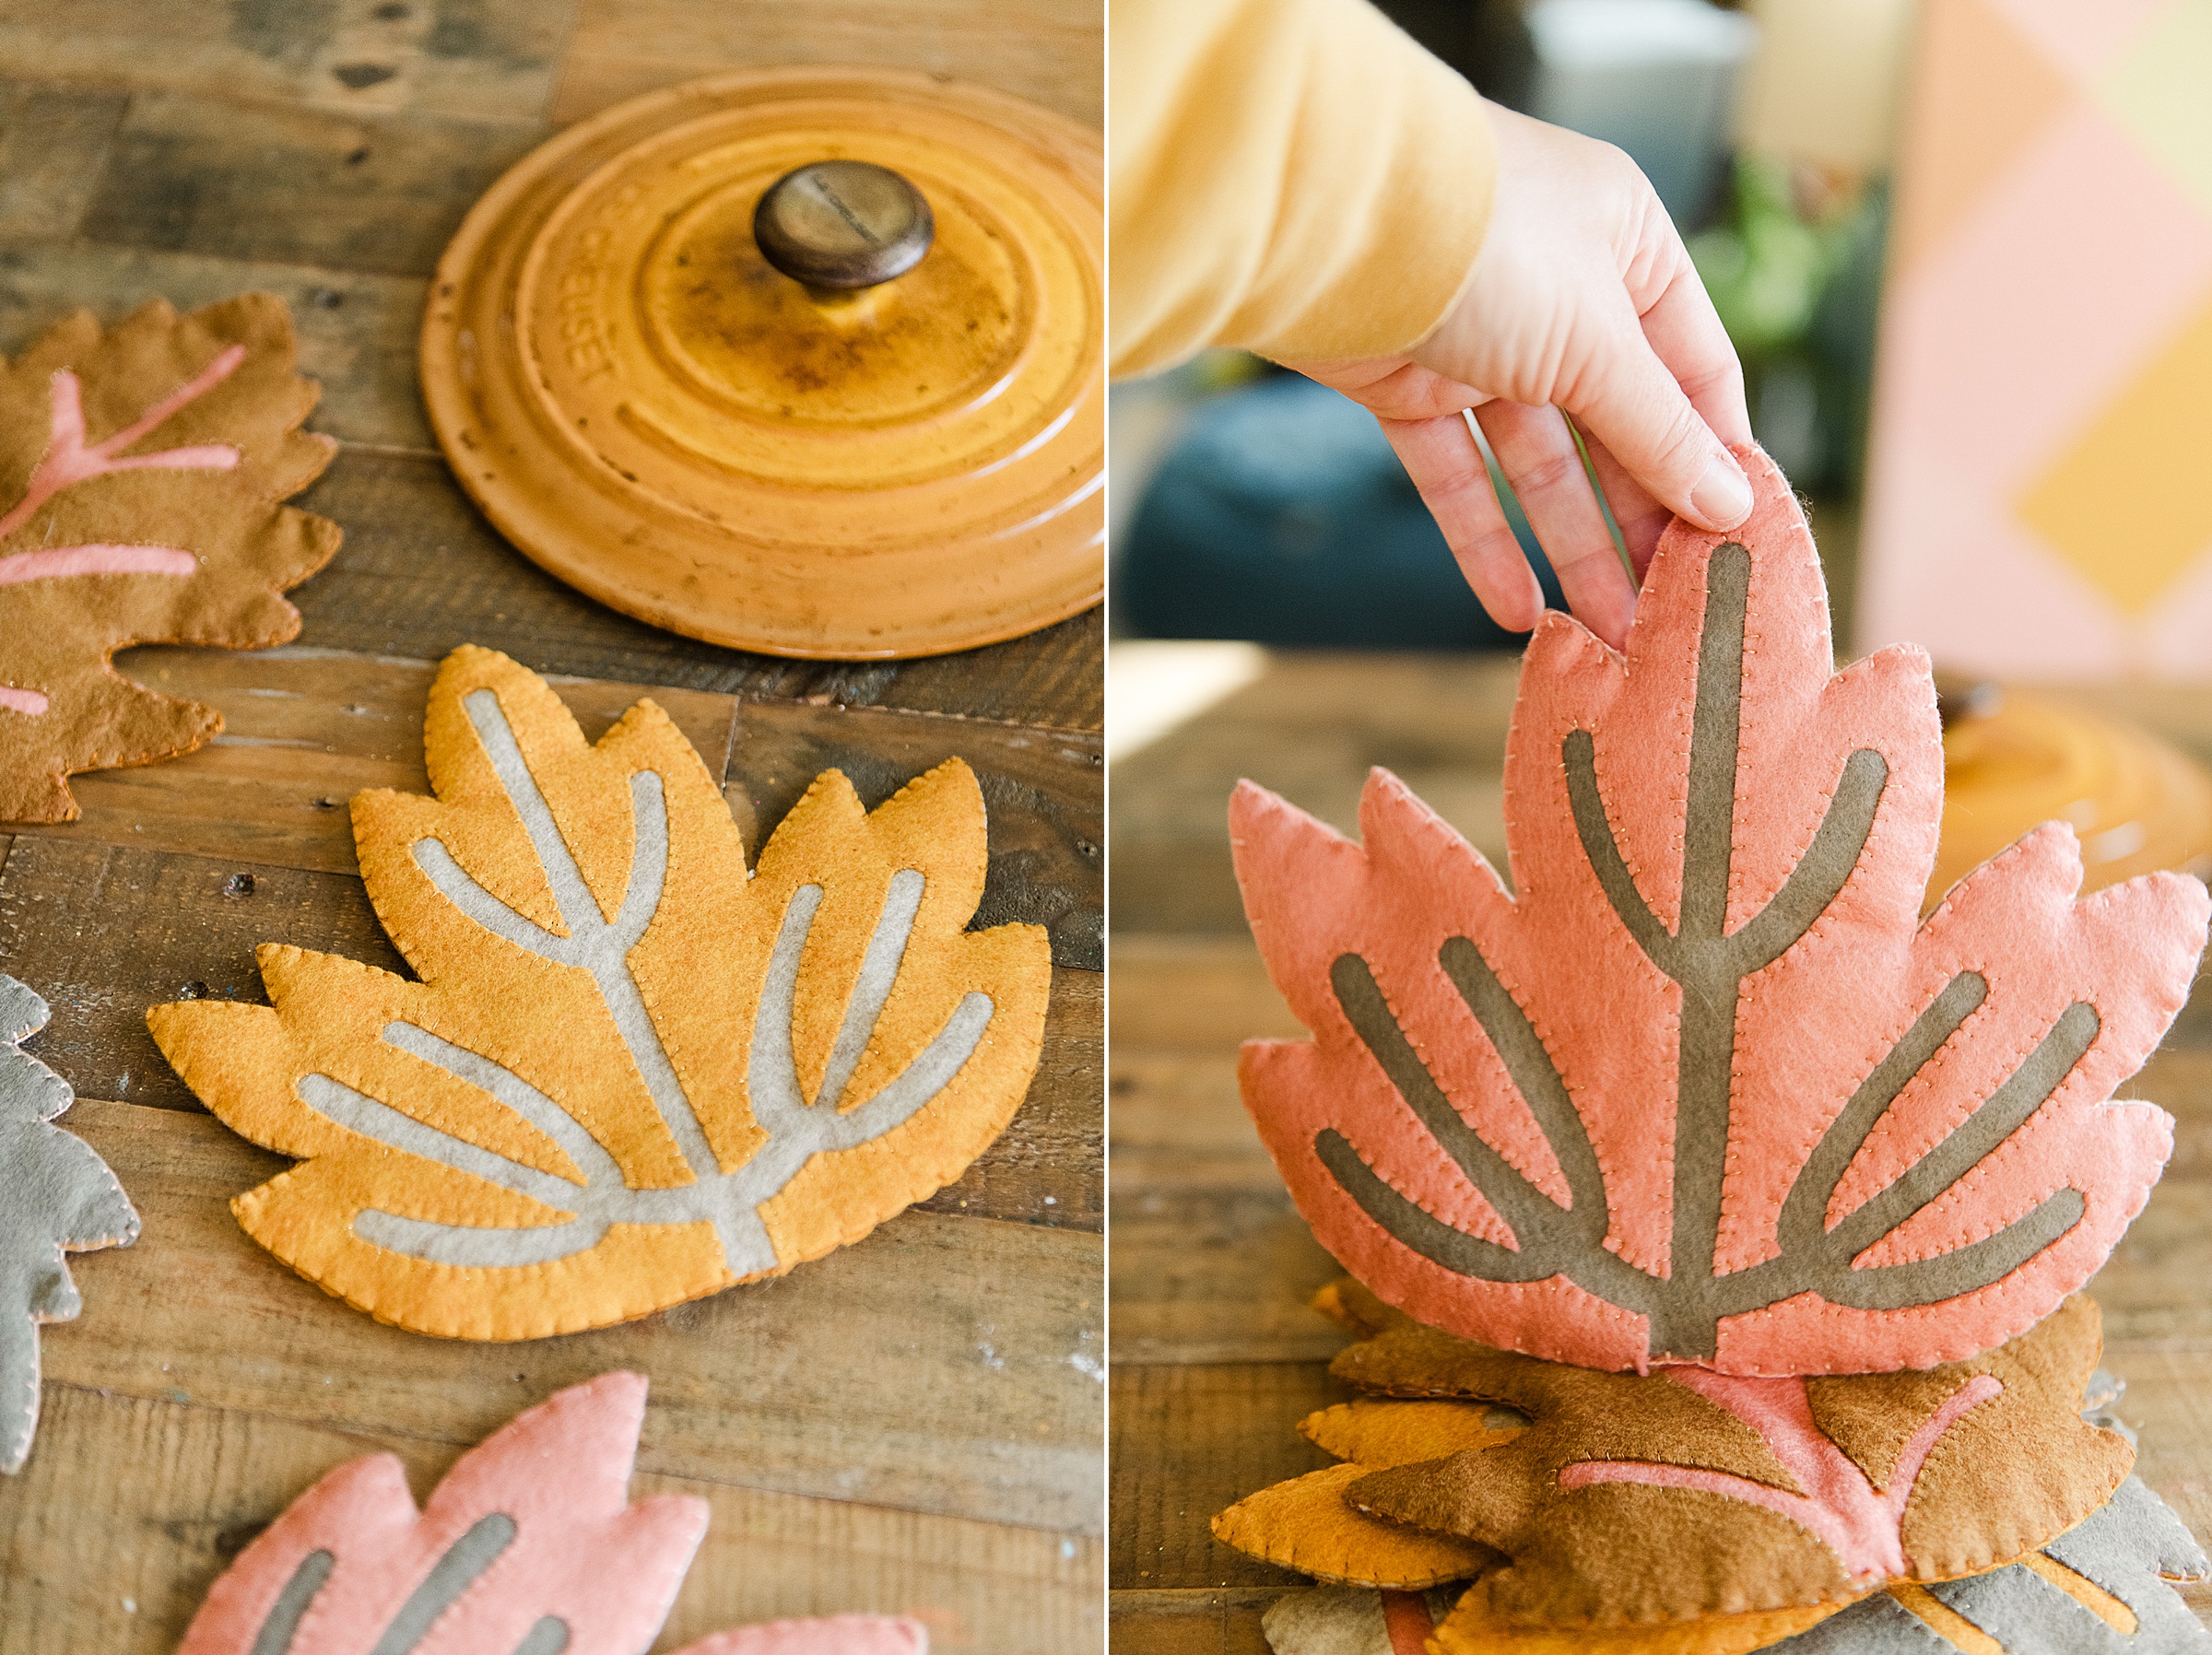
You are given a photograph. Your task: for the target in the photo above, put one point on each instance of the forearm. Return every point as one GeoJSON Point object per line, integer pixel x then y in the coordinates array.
{"type": "Point", "coordinates": [1293, 177]}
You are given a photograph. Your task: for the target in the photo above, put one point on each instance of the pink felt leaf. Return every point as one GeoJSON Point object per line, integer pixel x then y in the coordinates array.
{"type": "Point", "coordinates": [1700, 1086]}
{"type": "Point", "coordinates": [529, 1545]}
{"type": "Point", "coordinates": [533, 1526]}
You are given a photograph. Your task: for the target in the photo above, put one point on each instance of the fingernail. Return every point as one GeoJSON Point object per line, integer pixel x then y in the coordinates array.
{"type": "Point", "coordinates": [1723, 496]}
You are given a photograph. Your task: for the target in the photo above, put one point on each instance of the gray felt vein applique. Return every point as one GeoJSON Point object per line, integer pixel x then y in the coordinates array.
{"type": "Point", "coordinates": [56, 1196]}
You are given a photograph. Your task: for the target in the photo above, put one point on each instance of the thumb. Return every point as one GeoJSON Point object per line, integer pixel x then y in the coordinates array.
{"type": "Point", "coordinates": [1640, 414]}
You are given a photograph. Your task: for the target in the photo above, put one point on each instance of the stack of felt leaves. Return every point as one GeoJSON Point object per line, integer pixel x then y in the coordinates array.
{"type": "Point", "coordinates": [1717, 1225]}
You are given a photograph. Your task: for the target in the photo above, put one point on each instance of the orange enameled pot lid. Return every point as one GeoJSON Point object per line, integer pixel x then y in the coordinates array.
{"type": "Point", "coordinates": [659, 417]}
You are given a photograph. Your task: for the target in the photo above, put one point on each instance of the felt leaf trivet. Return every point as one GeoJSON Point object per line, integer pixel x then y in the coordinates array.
{"type": "Point", "coordinates": [1702, 1088]}
{"type": "Point", "coordinates": [528, 1545]}
{"type": "Point", "coordinates": [631, 1075]}
{"type": "Point", "coordinates": [1683, 1494]}
{"type": "Point", "coordinates": [56, 1196]}
{"type": "Point", "coordinates": [2100, 1589]}
{"type": "Point", "coordinates": [141, 471]}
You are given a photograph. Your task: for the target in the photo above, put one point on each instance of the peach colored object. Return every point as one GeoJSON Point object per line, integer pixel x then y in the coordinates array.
{"type": "Point", "coordinates": [1702, 1089]}
{"type": "Point", "coordinates": [646, 407]}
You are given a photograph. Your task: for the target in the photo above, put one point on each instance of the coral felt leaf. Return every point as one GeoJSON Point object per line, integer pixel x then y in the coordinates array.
{"type": "Point", "coordinates": [631, 1075]}
{"type": "Point", "coordinates": [142, 476]}
{"type": "Point", "coordinates": [1686, 1494]}
{"type": "Point", "coordinates": [529, 1544]}
{"type": "Point", "coordinates": [1702, 1088]}
{"type": "Point", "coordinates": [56, 1197]}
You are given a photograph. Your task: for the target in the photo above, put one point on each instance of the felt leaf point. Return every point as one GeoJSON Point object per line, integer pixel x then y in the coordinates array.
{"type": "Point", "coordinates": [1702, 1089]}
{"type": "Point", "coordinates": [56, 1197]}
{"type": "Point", "coordinates": [529, 1544]}
{"type": "Point", "coordinates": [631, 1075]}
{"type": "Point", "coordinates": [165, 527]}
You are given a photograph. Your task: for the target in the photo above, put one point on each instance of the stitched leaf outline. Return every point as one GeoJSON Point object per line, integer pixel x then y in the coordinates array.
{"type": "Point", "coordinates": [56, 1196]}
{"type": "Point", "coordinates": [141, 470]}
{"type": "Point", "coordinates": [529, 1544]}
{"type": "Point", "coordinates": [1703, 1088]}
{"type": "Point", "coordinates": [631, 1074]}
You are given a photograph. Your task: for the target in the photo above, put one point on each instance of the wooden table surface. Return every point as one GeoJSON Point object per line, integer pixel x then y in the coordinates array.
{"type": "Point", "coordinates": [912, 1424]}
{"type": "Point", "coordinates": [1215, 1356]}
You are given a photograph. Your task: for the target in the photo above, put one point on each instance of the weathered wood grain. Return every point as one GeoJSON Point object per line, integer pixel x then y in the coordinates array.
{"type": "Point", "coordinates": [1186, 1442]}
{"type": "Point", "coordinates": [1040, 788]}
{"type": "Point", "coordinates": [1051, 52]}
{"type": "Point", "coordinates": [482, 58]}
{"type": "Point", "coordinates": [1193, 1622]}
{"type": "Point", "coordinates": [103, 931]}
{"type": "Point", "coordinates": [357, 330]}
{"type": "Point", "coordinates": [119, 1560]}
{"type": "Point", "coordinates": [290, 184]}
{"type": "Point", "coordinates": [942, 1365]}
{"type": "Point", "coordinates": [421, 572]}
{"type": "Point", "coordinates": [53, 144]}
{"type": "Point", "coordinates": [304, 730]}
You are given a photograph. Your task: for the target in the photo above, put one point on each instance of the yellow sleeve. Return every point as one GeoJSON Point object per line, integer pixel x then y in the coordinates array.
{"type": "Point", "coordinates": [1294, 177]}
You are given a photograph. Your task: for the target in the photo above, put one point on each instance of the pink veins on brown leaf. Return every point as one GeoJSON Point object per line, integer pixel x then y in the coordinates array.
{"type": "Point", "coordinates": [68, 461]}
{"type": "Point", "coordinates": [1862, 1525]}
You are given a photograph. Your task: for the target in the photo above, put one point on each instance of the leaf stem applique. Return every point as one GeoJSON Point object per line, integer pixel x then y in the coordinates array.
{"type": "Point", "coordinates": [56, 1197]}
{"type": "Point", "coordinates": [529, 1544]}
{"type": "Point", "coordinates": [92, 517]}
{"type": "Point", "coordinates": [631, 1075]}
{"type": "Point", "coordinates": [1703, 1089]}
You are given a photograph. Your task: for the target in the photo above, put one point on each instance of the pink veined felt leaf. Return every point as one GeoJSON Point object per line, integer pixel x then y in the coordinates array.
{"type": "Point", "coordinates": [1862, 1525]}
{"type": "Point", "coordinates": [529, 1547]}
{"type": "Point", "coordinates": [1702, 1088]}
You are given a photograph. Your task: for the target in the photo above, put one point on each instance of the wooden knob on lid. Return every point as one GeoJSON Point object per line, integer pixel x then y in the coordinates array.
{"type": "Point", "coordinates": [842, 225]}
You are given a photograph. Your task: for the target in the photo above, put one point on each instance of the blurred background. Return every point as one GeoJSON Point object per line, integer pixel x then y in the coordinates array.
{"type": "Point", "coordinates": [1964, 248]}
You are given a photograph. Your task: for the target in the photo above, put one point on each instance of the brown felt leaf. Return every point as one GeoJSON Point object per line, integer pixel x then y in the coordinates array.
{"type": "Point", "coordinates": [1635, 1499]}
{"type": "Point", "coordinates": [631, 1075]}
{"type": "Point", "coordinates": [141, 473]}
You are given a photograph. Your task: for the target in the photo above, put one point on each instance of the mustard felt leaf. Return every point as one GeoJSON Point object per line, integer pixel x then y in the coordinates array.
{"type": "Point", "coordinates": [631, 1075]}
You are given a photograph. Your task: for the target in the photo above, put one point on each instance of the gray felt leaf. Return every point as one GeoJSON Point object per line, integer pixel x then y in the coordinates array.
{"type": "Point", "coordinates": [2130, 1547]}
{"type": "Point", "coordinates": [56, 1196]}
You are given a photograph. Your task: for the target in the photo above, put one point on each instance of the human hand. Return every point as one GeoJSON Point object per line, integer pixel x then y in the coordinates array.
{"type": "Point", "coordinates": [1582, 305]}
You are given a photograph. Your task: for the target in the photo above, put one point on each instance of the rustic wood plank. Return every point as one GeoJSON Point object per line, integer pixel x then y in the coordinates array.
{"type": "Point", "coordinates": [1040, 787]}
{"type": "Point", "coordinates": [1192, 1622]}
{"type": "Point", "coordinates": [104, 931]}
{"type": "Point", "coordinates": [304, 731]}
{"type": "Point", "coordinates": [306, 728]}
{"type": "Point", "coordinates": [53, 144]}
{"type": "Point", "coordinates": [118, 1561]}
{"type": "Point", "coordinates": [421, 572]}
{"type": "Point", "coordinates": [487, 58]}
{"type": "Point", "coordinates": [356, 190]}
{"type": "Point", "coordinates": [1051, 51]}
{"type": "Point", "coordinates": [357, 330]}
{"type": "Point", "coordinates": [1188, 1441]}
{"type": "Point", "coordinates": [943, 1364]}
